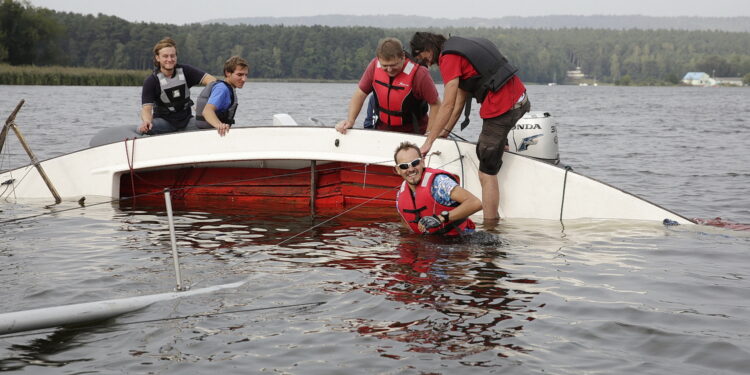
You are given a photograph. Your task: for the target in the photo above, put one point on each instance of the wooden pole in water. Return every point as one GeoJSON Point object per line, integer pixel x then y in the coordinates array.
{"type": "Point", "coordinates": [10, 123]}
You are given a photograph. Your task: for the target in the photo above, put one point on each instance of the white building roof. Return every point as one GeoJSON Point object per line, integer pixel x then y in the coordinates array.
{"type": "Point", "coordinates": [695, 76]}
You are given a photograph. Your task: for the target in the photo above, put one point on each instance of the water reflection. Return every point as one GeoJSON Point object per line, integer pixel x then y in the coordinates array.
{"type": "Point", "coordinates": [46, 351]}
{"type": "Point", "coordinates": [459, 300]}
{"type": "Point", "coordinates": [453, 297]}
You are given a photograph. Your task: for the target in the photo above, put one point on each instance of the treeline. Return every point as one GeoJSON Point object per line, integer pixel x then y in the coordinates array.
{"type": "Point", "coordinates": [738, 24]}
{"type": "Point", "coordinates": [39, 36]}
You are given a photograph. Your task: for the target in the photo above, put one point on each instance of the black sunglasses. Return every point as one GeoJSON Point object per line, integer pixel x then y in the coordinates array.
{"type": "Point", "coordinates": [413, 163]}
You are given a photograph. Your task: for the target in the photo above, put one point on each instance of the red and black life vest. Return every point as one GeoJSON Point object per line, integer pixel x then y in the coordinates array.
{"type": "Point", "coordinates": [493, 68]}
{"type": "Point", "coordinates": [397, 105]}
{"type": "Point", "coordinates": [414, 207]}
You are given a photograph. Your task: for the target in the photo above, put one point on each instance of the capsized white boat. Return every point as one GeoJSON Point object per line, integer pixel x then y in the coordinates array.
{"type": "Point", "coordinates": [530, 188]}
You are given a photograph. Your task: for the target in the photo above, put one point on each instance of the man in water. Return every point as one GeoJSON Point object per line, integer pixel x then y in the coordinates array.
{"type": "Point", "coordinates": [430, 200]}
{"type": "Point", "coordinates": [402, 89]}
{"type": "Point", "coordinates": [217, 103]}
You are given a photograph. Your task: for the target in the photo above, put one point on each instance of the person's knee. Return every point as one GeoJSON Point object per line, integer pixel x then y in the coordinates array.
{"type": "Point", "coordinates": [160, 126]}
{"type": "Point", "coordinates": [490, 158]}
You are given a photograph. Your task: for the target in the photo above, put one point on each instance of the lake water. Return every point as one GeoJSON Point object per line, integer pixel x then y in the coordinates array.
{"type": "Point", "coordinates": [358, 295]}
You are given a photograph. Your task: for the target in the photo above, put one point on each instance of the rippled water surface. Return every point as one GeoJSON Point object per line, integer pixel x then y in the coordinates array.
{"type": "Point", "coordinates": [357, 294]}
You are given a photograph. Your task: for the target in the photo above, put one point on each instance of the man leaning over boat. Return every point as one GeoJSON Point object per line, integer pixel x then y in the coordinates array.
{"type": "Point", "coordinates": [217, 103]}
{"type": "Point", "coordinates": [403, 90]}
{"type": "Point", "coordinates": [474, 67]}
{"type": "Point", "coordinates": [430, 201]}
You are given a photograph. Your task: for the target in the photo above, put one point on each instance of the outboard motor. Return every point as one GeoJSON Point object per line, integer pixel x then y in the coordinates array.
{"type": "Point", "coordinates": [536, 136]}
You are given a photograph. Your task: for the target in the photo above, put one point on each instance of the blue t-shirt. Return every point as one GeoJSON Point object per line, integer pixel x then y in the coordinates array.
{"type": "Point", "coordinates": [441, 189]}
{"type": "Point", "coordinates": [220, 97]}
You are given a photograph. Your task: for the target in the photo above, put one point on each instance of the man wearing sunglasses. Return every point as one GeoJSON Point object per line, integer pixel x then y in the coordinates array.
{"type": "Point", "coordinates": [430, 201]}
{"type": "Point", "coordinates": [402, 88]}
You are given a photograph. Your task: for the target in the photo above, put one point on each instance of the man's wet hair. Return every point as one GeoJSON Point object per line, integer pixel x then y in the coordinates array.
{"type": "Point", "coordinates": [405, 145]}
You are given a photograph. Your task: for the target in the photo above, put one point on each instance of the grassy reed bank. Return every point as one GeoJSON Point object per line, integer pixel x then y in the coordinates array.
{"type": "Point", "coordinates": [69, 76]}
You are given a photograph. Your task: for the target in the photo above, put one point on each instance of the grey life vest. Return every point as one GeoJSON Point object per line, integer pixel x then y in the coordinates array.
{"type": "Point", "coordinates": [175, 93]}
{"type": "Point", "coordinates": [493, 68]}
{"type": "Point", "coordinates": [226, 116]}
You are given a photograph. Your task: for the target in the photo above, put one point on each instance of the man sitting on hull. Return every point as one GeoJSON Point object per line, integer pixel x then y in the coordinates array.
{"type": "Point", "coordinates": [430, 201]}
{"type": "Point", "coordinates": [217, 103]}
{"type": "Point", "coordinates": [165, 96]}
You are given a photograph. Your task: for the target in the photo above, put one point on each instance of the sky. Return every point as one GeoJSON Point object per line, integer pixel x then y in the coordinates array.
{"type": "Point", "coordinates": [189, 11]}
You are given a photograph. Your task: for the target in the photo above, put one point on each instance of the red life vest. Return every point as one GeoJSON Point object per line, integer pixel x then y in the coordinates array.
{"type": "Point", "coordinates": [396, 102]}
{"type": "Point", "coordinates": [412, 208]}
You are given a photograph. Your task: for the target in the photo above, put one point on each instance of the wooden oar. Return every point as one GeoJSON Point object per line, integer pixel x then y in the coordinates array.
{"type": "Point", "coordinates": [10, 123]}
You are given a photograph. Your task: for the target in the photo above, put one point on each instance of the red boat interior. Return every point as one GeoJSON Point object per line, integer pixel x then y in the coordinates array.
{"type": "Point", "coordinates": [330, 185]}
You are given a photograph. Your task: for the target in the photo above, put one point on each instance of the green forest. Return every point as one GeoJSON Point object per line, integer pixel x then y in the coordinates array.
{"type": "Point", "coordinates": [33, 36]}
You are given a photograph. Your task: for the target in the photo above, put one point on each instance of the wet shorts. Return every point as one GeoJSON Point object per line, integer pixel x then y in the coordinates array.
{"type": "Point", "coordinates": [494, 137]}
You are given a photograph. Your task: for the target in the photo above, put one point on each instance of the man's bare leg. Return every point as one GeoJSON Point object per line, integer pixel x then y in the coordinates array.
{"type": "Point", "coordinates": [490, 196]}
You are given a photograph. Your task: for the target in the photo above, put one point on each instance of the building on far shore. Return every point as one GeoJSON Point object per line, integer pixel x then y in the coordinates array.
{"type": "Point", "coordinates": [575, 74]}
{"type": "Point", "coordinates": [728, 81]}
{"type": "Point", "coordinates": [703, 79]}
{"type": "Point", "coordinates": [698, 79]}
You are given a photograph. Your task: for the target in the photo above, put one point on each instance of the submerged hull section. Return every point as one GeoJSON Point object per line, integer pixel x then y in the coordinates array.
{"type": "Point", "coordinates": [324, 185]}
{"type": "Point", "coordinates": [208, 167]}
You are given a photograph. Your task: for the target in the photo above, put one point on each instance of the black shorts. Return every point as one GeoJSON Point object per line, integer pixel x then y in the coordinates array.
{"type": "Point", "coordinates": [494, 137]}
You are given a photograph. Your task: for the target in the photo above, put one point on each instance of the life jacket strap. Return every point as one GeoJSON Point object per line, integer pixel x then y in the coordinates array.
{"type": "Point", "coordinates": [449, 227]}
{"type": "Point", "coordinates": [417, 212]}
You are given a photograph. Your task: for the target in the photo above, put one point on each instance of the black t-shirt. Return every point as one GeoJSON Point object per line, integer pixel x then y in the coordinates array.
{"type": "Point", "coordinates": [151, 92]}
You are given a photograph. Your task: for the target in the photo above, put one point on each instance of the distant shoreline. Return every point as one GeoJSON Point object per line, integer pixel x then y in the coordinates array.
{"type": "Point", "coordinates": [27, 75]}
{"type": "Point", "coordinates": [75, 76]}
{"type": "Point", "coordinates": [69, 76]}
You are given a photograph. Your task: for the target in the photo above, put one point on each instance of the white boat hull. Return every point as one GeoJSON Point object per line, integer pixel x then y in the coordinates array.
{"type": "Point", "coordinates": [529, 188]}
